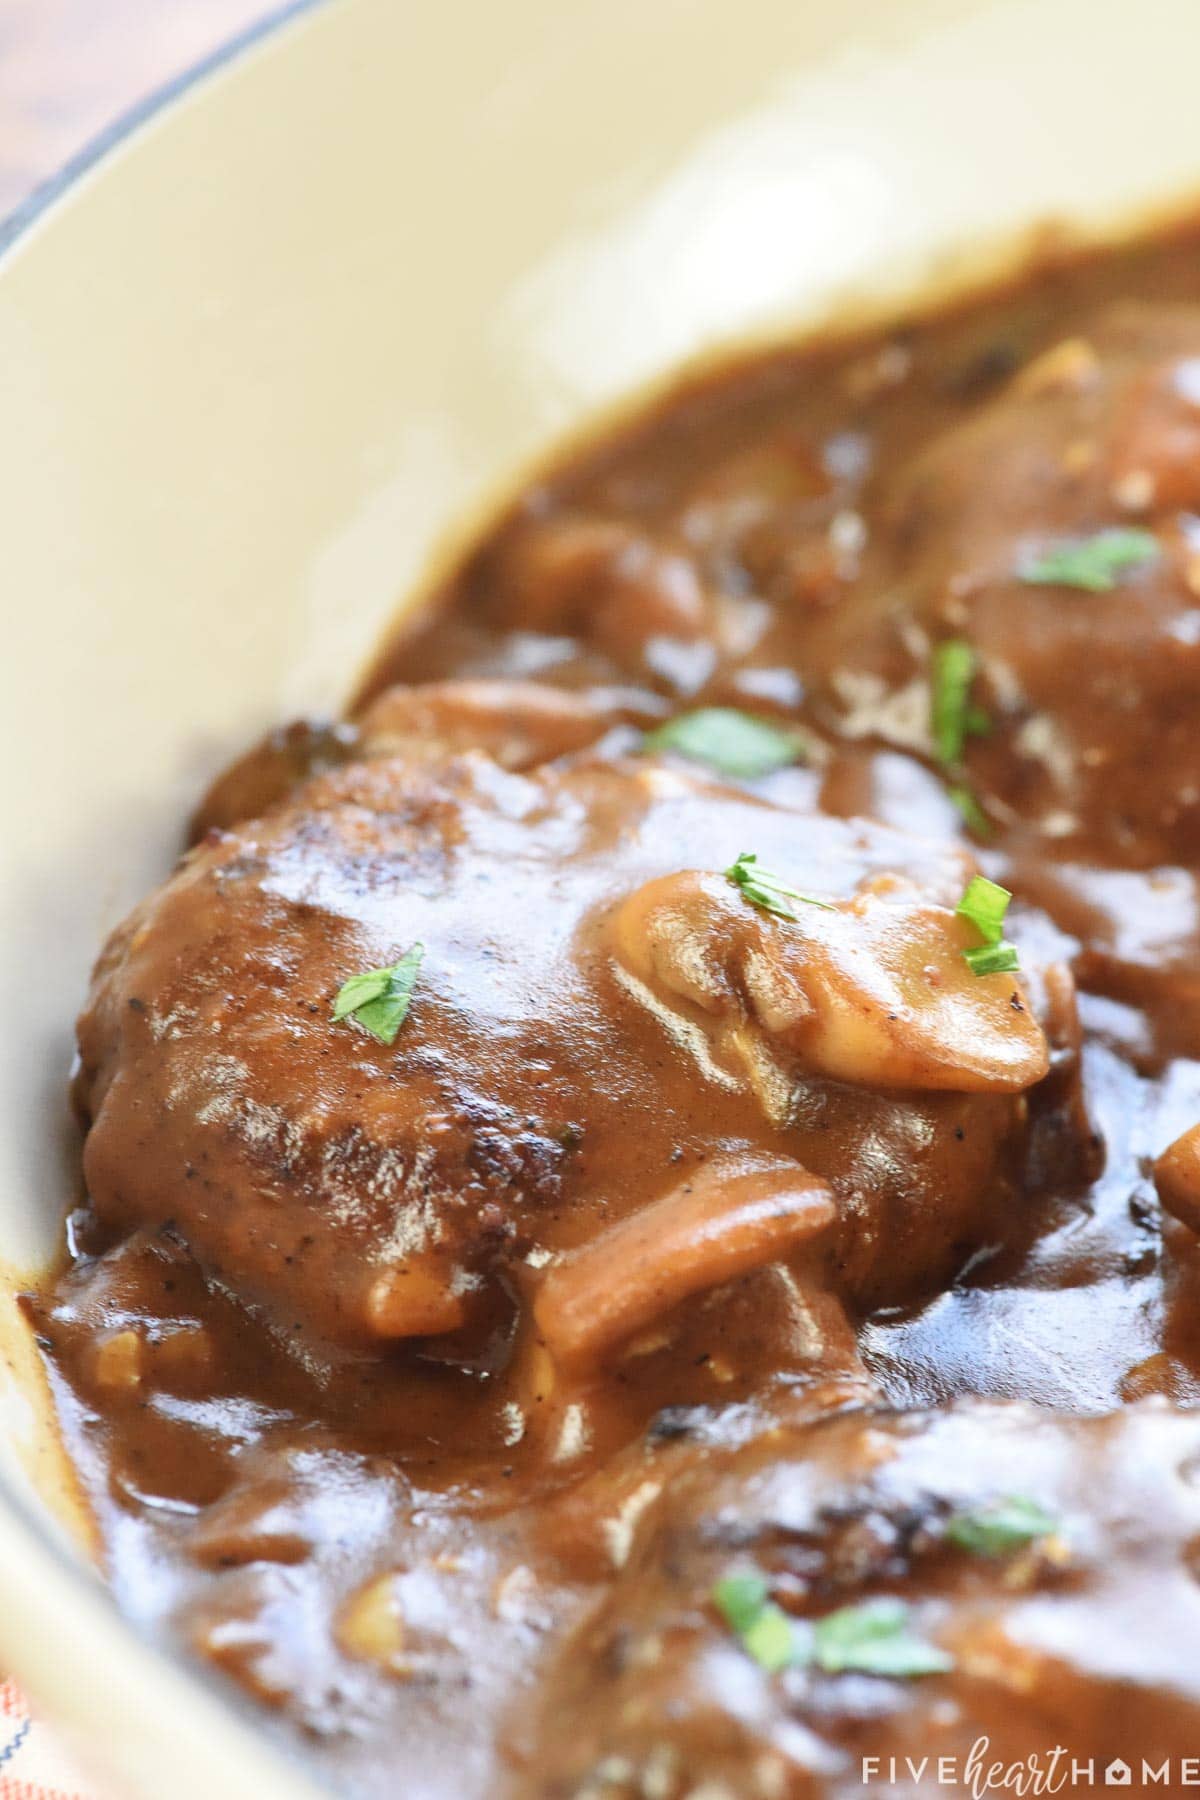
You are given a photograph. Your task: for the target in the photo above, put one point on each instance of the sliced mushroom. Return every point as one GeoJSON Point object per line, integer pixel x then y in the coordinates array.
{"type": "Point", "coordinates": [874, 990]}
{"type": "Point", "coordinates": [1177, 1178]}
{"type": "Point", "coordinates": [518, 723]}
{"type": "Point", "coordinates": [735, 1215]}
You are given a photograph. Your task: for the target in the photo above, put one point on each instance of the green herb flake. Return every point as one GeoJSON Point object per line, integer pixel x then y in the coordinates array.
{"type": "Point", "coordinates": [739, 1598]}
{"type": "Point", "coordinates": [875, 1638]}
{"type": "Point", "coordinates": [772, 1640]}
{"type": "Point", "coordinates": [992, 959]}
{"type": "Point", "coordinates": [985, 904]}
{"type": "Point", "coordinates": [731, 742]}
{"type": "Point", "coordinates": [766, 890]}
{"type": "Point", "coordinates": [953, 717]}
{"type": "Point", "coordinates": [973, 815]}
{"type": "Point", "coordinates": [1093, 563]}
{"type": "Point", "coordinates": [765, 1631]}
{"type": "Point", "coordinates": [379, 999]}
{"type": "Point", "coordinates": [1000, 1526]}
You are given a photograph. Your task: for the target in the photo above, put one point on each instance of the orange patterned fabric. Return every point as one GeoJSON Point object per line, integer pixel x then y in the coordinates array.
{"type": "Point", "coordinates": [32, 1764]}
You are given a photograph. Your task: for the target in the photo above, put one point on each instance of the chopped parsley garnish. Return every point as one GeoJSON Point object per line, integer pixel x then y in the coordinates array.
{"type": "Point", "coordinates": [769, 891]}
{"type": "Point", "coordinates": [873, 1638]}
{"type": "Point", "coordinates": [1000, 1526]}
{"type": "Point", "coordinates": [766, 1632]}
{"type": "Point", "coordinates": [740, 1598]}
{"type": "Point", "coordinates": [952, 716]}
{"type": "Point", "coordinates": [973, 815]}
{"type": "Point", "coordinates": [1092, 563]}
{"type": "Point", "coordinates": [992, 959]}
{"type": "Point", "coordinates": [379, 999]}
{"type": "Point", "coordinates": [731, 742]}
{"type": "Point", "coordinates": [771, 1639]}
{"type": "Point", "coordinates": [985, 904]}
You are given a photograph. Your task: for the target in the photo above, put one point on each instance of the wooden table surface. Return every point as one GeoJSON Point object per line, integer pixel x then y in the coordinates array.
{"type": "Point", "coordinates": [69, 67]}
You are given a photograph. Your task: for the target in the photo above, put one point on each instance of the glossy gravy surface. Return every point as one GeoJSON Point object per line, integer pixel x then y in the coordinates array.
{"type": "Point", "coordinates": [428, 1389]}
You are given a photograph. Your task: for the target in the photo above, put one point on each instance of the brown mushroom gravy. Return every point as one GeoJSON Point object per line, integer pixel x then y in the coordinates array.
{"type": "Point", "coordinates": [642, 1188]}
